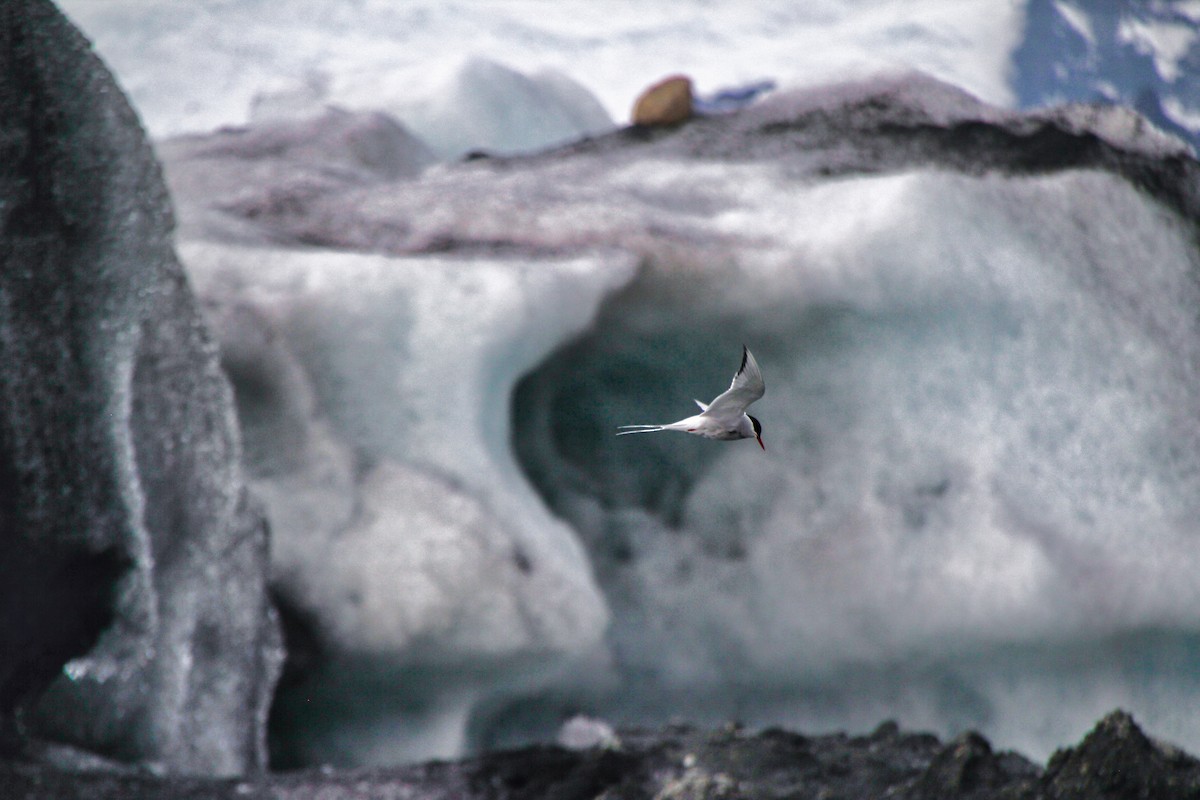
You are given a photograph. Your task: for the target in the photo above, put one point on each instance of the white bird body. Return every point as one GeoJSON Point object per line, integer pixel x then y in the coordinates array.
{"type": "Point", "coordinates": [725, 418]}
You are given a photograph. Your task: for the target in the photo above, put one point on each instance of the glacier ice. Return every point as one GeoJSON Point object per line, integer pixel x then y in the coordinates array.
{"type": "Point", "coordinates": [374, 394]}
{"type": "Point", "coordinates": [978, 332]}
{"type": "Point", "coordinates": [204, 65]}
{"type": "Point", "coordinates": [457, 106]}
{"type": "Point", "coordinates": [461, 106]}
{"type": "Point", "coordinates": [970, 410]}
{"type": "Point", "coordinates": [982, 433]}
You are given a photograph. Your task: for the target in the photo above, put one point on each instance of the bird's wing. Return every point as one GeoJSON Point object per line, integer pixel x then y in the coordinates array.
{"type": "Point", "coordinates": [703, 406]}
{"type": "Point", "coordinates": [747, 387]}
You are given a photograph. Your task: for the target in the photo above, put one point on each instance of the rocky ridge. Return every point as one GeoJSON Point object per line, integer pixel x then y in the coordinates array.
{"type": "Point", "coordinates": [1116, 760]}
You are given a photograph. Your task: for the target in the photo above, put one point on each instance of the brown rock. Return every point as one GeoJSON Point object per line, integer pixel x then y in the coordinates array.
{"type": "Point", "coordinates": [668, 102]}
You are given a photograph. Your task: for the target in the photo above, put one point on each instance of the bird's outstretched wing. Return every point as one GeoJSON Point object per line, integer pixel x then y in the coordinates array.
{"type": "Point", "coordinates": [747, 387]}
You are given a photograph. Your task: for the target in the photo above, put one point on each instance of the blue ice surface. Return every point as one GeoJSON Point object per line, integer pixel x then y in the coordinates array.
{"type": "Point", "coordinates": [732, 98]}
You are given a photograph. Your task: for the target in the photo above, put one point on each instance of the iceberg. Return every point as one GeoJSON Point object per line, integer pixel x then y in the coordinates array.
{"type": "Point", "coordinates": [374, 393]}
{"type": "Point", "coordinates": [197, 67]}
{"type": "Point", "coordinates": [457, 106]}
{"type": "Point", "coordinates": [477, 105]}
{"type": "Point", "coordinates": [977, 511]}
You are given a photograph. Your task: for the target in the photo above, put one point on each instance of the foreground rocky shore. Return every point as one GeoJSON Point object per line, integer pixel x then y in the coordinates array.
{"type": "Point", "coordinates": [1115, 760]}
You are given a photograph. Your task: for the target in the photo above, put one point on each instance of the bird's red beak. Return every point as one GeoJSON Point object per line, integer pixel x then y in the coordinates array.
{"type": "Point", "coordinates": [760, 444]}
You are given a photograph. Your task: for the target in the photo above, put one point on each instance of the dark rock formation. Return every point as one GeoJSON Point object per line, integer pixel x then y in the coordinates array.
{"type": "Point", "coordinates": [56, 601]}
{"type": "Point", "coordinates": [127, 542]}
{"type": "Point", "coordinates": [1115, 760]}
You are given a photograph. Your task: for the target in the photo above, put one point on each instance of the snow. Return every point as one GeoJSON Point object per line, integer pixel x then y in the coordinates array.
{"type": "Point", "coordinates": [1167, 43]}
{"type": "Point", "coordinates": [462, 105]}
{"type": "Point", "coordinates": [1078, 20]}
{"type": "Point", "coordinates": [1187, 116]}
{"type": "Point", "coordinates": [1189, 9]}
{"type": "Point", "coordinates": [201, 65]}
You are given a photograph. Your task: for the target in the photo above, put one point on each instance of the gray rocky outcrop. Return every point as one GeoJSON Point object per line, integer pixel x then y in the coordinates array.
{"type": "Point", "coordinates": [134, 619]}
{"type": "Point", "coordinates": [1115, 760]}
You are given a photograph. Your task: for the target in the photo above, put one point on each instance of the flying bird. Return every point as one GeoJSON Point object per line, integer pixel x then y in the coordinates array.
{"type": "Point", "coordinates": [725, 417]}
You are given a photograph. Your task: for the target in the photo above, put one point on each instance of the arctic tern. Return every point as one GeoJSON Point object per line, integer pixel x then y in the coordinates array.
{"type": "Point", "coordinates": [725, 417]}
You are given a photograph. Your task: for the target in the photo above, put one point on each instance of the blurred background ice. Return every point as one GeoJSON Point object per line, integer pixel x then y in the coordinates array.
{"type": "Point", "coordinates": [195, 66]}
